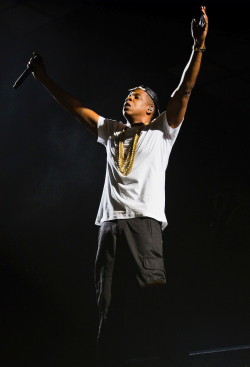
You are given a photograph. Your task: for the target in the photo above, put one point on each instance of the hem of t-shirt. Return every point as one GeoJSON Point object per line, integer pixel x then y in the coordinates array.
{"type": "Point", "coordinates": [130, 215]}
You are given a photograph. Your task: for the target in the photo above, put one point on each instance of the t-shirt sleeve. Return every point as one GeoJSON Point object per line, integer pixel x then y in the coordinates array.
{"type": "Point", "coordinates": [170, 134]}
{"type": "Point", "coordinates": [106, 129]}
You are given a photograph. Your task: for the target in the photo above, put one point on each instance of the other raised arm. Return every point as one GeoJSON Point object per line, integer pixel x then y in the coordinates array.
{"type": "Point", "coordinates": [178, 102]}
{"type": "Point", "coordinates": [86, 116]}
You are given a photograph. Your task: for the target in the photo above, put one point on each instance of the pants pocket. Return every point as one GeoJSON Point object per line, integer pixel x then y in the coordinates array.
{"type": "Point", "coordinates": [154, 270]}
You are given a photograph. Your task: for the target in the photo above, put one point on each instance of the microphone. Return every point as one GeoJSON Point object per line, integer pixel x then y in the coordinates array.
{"type": "Point", "coordinates": [202, 22]}
{"type": "Point", "coordinates": [26, 72]}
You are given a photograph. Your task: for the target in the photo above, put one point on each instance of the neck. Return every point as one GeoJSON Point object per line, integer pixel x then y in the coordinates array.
{"type": "Point", "coordinates": [137, 123]}
{"type": "Point", "coordinates": [134, 120]}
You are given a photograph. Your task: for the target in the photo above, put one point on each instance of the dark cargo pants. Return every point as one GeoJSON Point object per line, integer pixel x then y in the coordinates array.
{"type": "Point", "coordinates": [129, 256]}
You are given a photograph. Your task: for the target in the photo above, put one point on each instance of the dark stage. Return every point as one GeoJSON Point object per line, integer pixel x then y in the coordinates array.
{"type": "Point", "coordinates": [53, 172]}
{"type": "Point", "coordinates": [217, 359]}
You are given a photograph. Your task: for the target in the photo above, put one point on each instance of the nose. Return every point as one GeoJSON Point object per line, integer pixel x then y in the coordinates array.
{"type": "Point", "coordinates": [129, 98]}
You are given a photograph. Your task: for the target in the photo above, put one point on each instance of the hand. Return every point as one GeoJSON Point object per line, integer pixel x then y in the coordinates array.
{"type": "Point", "coordinates": [39, 71]}
{"type": "Point", "coordinates": [199, 32]}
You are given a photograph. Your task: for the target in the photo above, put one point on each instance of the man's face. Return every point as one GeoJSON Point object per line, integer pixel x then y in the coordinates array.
{"type": "Point", "coordinates": [136, 104]}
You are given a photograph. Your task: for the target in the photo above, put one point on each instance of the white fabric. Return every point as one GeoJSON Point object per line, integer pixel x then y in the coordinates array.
{"type": "Point", "coordinates": [142, 192]}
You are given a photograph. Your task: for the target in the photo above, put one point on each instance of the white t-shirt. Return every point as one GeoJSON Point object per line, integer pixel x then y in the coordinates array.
{"type": "Point", "coordinates": [142, 192]}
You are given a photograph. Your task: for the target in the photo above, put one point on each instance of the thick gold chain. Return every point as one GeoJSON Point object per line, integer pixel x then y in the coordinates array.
{"type": "Point", "coordinates": [126, 164]}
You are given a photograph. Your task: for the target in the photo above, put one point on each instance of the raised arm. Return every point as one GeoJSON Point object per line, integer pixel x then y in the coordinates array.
{"type": "Point", "coordinates": [86, 116]}
{"type": "Point", "coordinates": [178, 102]}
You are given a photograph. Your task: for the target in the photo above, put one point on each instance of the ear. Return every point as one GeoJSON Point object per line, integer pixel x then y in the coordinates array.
{"type": "Point", "coordinates": [150, 110]}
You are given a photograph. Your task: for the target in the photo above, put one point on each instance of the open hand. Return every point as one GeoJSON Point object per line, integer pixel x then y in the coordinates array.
{"type": "Point", "coordinates": [199, 31]}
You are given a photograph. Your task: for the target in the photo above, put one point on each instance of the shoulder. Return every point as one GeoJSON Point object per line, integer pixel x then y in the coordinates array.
{"type": "Point", "coordinates": [106, 128]}
{"type": "Point", "coordinates": [110, 124]}
{"type": "Point", "coordinates": [161, 124]}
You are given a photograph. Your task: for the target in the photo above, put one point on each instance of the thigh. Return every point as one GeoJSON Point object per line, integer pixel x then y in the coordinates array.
{"type": "Point", "coordinates": [104, 264]}
{"type": "Point", "coordinates": [144, 238]}
{"type": "Point", "coordinates": [106, 251]}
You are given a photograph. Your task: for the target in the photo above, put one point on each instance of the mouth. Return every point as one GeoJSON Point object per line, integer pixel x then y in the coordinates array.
{"type": "Point", "coordinates": [126, 105]}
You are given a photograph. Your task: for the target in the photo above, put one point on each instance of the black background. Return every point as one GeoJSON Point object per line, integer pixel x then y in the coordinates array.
{"type": "Point", "coordinates": [53, 172]}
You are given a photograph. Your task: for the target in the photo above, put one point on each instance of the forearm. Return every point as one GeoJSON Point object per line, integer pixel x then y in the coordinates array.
{"type": "Point", "coordinates": [70, 103]}
{"type": "Point", "coordinates": [190, 72]}
{"type": "Point", "coordinates": [86, 116]}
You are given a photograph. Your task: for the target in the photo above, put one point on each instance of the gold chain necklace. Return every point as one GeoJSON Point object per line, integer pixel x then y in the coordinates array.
{"type": "Point", "coordinates": [126, 164]}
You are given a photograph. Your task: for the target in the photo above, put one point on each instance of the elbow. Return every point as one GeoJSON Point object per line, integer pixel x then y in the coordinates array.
{"type": "Point", "coordinates": [187, 89]}
{"type": "Point", "coordinates": [74, 112]}
{"type": "Point", "coordinates": [76, 109]}
{"type": "Point", "coordinates": [183, 91]}
{"type": "Point", "coordinates": [187, 93]}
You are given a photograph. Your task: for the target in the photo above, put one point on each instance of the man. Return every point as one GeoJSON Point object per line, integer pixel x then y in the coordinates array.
{"type": "Point", "coordinates": [131, 213]}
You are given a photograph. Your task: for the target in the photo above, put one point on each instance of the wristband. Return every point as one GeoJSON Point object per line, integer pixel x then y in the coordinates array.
{"type": "Point", "coordinates": [195, 48]}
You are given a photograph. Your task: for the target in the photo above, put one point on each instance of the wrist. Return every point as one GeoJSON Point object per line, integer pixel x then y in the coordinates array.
{"type": "Point", "coordinates": [199, 44]}
{"type": "Point", "coordinates": [197, 48]}
{"type": "Point", "coordinates": [44, 78]}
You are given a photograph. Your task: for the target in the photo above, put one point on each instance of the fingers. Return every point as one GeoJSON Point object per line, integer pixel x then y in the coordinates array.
{"type": "Point", "coordinates": [36, 54]}
{"type": "Point", "coordinates": [37, 67]}
{"type": "Point", "coordinates": [203, 10]}
{"type": "Point", "coordinates": [199, 29]}
{"type": "Point", "coordinates": [33, 62]}
{"type": "Point", "coordinates": [204, 14]}
{"type": "Point", "coordinates": [194, 25]}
